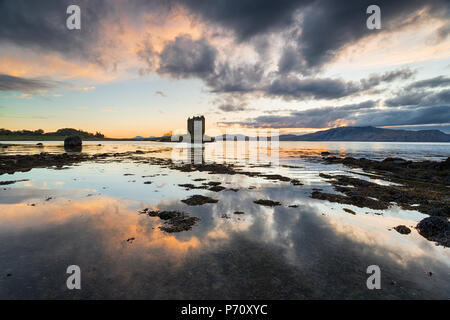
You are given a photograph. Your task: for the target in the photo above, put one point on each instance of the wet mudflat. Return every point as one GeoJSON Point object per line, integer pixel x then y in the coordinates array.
{"type": "Point", "coordinates": [141, 225]}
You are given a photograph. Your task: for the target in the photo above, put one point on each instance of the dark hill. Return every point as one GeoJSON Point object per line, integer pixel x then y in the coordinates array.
{"type": "Point", "coordinates": [370, 134]}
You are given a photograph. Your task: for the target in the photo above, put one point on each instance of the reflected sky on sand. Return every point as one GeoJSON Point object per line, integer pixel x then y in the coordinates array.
{"type": "Point", "coordinates": [85, 214]}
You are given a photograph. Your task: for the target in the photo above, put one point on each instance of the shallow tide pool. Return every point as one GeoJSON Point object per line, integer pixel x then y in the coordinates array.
{"type": "Point", "coordinates": [88, 215]}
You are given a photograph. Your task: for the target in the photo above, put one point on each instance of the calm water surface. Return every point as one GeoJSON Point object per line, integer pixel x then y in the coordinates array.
{"type": "Point", "coordinates": [84, 214]}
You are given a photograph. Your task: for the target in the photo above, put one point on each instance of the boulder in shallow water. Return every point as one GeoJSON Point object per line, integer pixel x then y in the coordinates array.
{"type": "Point", "coordinates": [435, 229]}
{"type": "Point", "coordinates": [73, 142]}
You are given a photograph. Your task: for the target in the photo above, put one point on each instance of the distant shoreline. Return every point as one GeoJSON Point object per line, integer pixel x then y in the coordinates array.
{"type": "Point", "coordinates": [61, 138]}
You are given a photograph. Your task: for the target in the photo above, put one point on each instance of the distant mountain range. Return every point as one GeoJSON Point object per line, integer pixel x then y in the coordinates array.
{"type": "Point", "coordinates": [359, 134]}
{"type": "Point", "coordinates": [343, 134]}
{"type": "Point", "coordinates": [370, 134]}
{"type": "Point", "coordinates": [145, 139]}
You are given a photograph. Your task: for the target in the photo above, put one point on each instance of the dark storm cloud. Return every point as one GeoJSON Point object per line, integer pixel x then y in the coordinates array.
{"type": "Point", "coordinates": [363, 114]}
{"type": "Point", "coordinates": [185, 58]}
{"type": "Point", "coordinates": [10, 83]}
{"type": "Point", "coordinates": [188, 58]}
{"type": "Point", "coordinates": [231, 108]}
{"type": "Point", "coordinates": [387, 77]}
{"type": "Point", "coordinates": [419, 98]}
{"type": "Point", "coordinates": [414, 116]}
{"type": "Point", "coordinates": [312, 118]}
{"type": "Point", "coordinates": [292, 87]}
{"type": "Point", "coordinates": [237, 78]}
{"type": "Point", "coordinates": [42, 25]}
{"type": "Point", "coordinates": [247, 18]}
{"type": "Point", "coordinates": [314, 30]}
{"type": "Point", "coordinates": [439, 81]}
{"type": "Point", "coordinates": [328, 26]}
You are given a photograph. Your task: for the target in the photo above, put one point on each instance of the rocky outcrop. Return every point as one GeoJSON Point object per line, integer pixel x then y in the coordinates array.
{"type": "Point", "coordinates": [435, 229]}
{"type": "Point", "coordinates": [73, 143]}
{"type": "Point", "coordinates": [174, 221]}
{"type": "Point", "coordinates": [198, 200]}
{"type": "Point", "coordinates": [402, 229]}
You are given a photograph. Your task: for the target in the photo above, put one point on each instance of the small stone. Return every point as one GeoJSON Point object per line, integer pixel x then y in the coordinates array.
{"type": "Point", "coordinates": [349, 211]}
{"type": "Point", "coordinates": [402, 229]}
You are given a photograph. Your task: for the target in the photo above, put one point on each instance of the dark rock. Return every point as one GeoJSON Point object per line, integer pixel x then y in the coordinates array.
{"type": "Point", "coordinates": [139, 152]}
{"type": "Point", "coordinates": [198, 200]}
{"type": "Point", "coordinates": [238, 212]}
{"type": "Point", "coordinates": [268, 203]}
{"type": "Point", "coordinates": [275, 177]}
{"type": "Point", "coordinates": [4, 183]}
{"type": "Point", "coordinates": [352, 199]}
{"type": "Point", "coordinates": [72, 142]}
{"type": "Point", "coordinates": [190, 186]}
{"type": "Point", "coordinates": [363, 193]}
{"type": "Point", "coordinates": [296, 182]}
{"type": "Point", "coordinates": [217, 188]}
{"type": "Point", "coordinates": [174, 221]}
{"type": "Point", "coordinates": [395, 160]}
{"type": "Point", "coordinates": [349, 211]}
{"type": "Point", "coordinates": [325, 153]}
{"type": "Point", "coordinates": [435, 229]}
{"type": "Point", "coordinates": [402, 229]}
{"type": "Point", "coordinates": [423, 182]}
{"type": "Point", "coordinates": [213, 183]}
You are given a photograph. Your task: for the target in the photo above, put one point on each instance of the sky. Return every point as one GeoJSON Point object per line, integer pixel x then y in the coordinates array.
{"type": "Point", "coordinates": [142, 67]}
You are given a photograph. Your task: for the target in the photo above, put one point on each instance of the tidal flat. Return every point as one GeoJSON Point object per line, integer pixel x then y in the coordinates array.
{"type": "Point", "coordinates": [153, 221]}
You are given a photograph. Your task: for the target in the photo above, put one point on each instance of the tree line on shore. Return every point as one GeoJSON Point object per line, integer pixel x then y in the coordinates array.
{"type": "Point", "coordinates": [59, 132]}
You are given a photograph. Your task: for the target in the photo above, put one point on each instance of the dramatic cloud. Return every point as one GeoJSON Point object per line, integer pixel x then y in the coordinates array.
{"type": "Point", "coordinates": [229, 78]}
{"type": "Point", "coordinates": [387, 77]}
{"type": "Point", "coordinates": [10, 83]}
{"type": "Point", "coordinates": [292, 87]}
{"type": "Point", "coordinates": [312, 118]}
{"type": "Point", "coordinates": [414, 116]}
{"type": "Point", "coordinates": [188, 58]}
{"type": "Point", "coordinates": [329, 26]}
{"type": "Point", "coordinates": [231, 108]}
{"type": "Point", "coordinates": [363, 114]}
{"type": "Point", "coordinates": [420, 98]}
{"type": "Point", "coordinates": [42, 25]}
{"type": "Point", "coordinates": [247, 18]}
{"type": "Point", "coordinates": [185, 58]}
{"type": "Point", "coordinates": [436, 82]}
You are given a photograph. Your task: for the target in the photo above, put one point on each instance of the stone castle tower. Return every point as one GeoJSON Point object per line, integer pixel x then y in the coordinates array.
{"type": "Point", "coordinates": [196, 129]}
